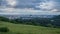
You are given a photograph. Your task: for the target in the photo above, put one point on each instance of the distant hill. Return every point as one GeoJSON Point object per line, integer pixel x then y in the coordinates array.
{"type": "Point", "coordinates": [57, 17]}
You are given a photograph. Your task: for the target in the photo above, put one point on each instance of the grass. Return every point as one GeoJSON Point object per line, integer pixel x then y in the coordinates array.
{"type": "Point", "coordinates": [28, 29]}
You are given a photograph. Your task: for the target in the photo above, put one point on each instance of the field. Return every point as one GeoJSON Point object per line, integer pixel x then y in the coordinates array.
{"type": "Point", "coordinates": [28, 29]}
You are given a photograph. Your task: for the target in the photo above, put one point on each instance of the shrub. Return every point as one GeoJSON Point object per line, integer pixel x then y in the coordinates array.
{"type": "Point", "coordinates": [4, 19]}
{"type": "Point", "coordinates": [4, 29]}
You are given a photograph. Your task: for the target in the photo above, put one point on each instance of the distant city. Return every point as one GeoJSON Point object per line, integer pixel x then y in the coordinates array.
{"type": "Point", "coordinates": [27, 16]}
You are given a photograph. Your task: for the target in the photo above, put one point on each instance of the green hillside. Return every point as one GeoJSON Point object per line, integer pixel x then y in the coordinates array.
{"type": "Point", "coordinates": [28, 29]}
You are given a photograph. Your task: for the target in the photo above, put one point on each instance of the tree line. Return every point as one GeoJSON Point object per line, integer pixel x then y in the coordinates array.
{"type": "Point", "coordinates": [47, 22]}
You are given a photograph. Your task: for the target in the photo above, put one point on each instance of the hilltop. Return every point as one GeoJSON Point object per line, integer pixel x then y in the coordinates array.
{"type": "Point", "coordinates": [27, 29]}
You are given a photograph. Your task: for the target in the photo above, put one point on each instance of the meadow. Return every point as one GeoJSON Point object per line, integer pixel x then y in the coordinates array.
{"type": "Point", "coordinates": [28, 29]}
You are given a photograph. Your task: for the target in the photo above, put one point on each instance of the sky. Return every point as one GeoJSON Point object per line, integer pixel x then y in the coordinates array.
{"type": "Point", "coordinates": [34, 7]}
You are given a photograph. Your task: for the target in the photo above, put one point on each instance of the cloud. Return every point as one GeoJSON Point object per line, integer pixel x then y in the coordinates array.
{"type": "Point", "coordinates": [54, 10]}
{"type": "Point", "coordinates": [46, 5]}
{"type": "Point", "coordinates": [37, 7]}
{"type": "Point", "coordinates": [49, 5]}
{"type": "Point", "coordinates": [11, 2]}
{"type": "Point", "coordinates": [36, 4]}
{"type": "Point", "coordinates": [3, 3]}
{"type": "Point", "coordinates": [20, 3]}
{"type": "Point", "coordinates": [14, 11]}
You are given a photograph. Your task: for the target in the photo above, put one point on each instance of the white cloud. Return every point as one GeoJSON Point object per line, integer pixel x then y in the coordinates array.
{"type": "Point", "coordinates": [14, 11]}
{"type": "Point", "coordinates": [47, 5]}
{"type": "Point", "coordinates": [11, 2]}
{"type": "Point", "coordinates": [54, 10]}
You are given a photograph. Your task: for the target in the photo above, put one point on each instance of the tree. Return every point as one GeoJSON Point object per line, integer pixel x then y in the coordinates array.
{"type": "Point", "coordinates": [3, 18]}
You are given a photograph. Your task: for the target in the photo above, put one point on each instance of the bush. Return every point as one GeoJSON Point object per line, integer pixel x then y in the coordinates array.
{"type": "Point", "coordinates": [4, 19]}
{"type": "Point", "coordinates": [4, 29]}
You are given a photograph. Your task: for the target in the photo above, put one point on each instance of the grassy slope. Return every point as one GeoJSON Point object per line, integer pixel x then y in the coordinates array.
{"type": "Point", "coordinates": [28, 29]}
